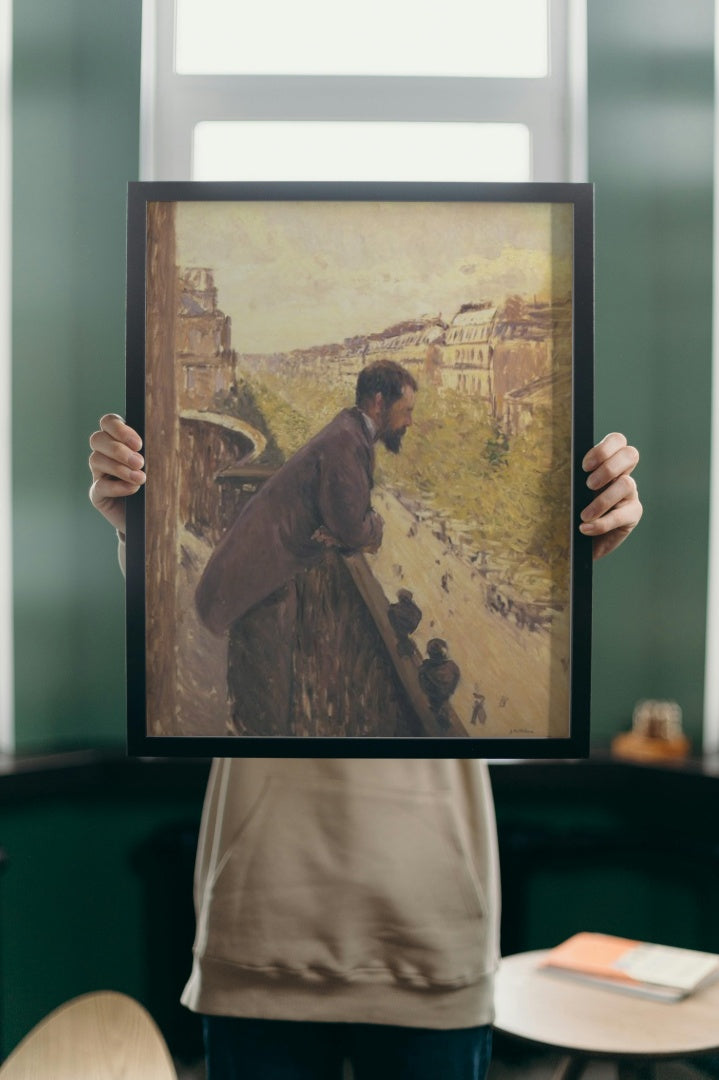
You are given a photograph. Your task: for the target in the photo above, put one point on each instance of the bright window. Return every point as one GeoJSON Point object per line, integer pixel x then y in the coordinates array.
{"type": "Point", "coordinates": [386, 90]}
{"type": "Point", "coordinates": [487, 38]}
{"type": "Point", "coordinates": [304, 150]}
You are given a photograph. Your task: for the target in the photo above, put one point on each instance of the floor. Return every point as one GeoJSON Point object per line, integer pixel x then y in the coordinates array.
{"type": "Point", "coordinates": [510, 1063]}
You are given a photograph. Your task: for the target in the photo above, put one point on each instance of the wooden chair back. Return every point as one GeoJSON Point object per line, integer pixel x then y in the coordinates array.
{"type": "Point", "coordinates": [99, 1036]}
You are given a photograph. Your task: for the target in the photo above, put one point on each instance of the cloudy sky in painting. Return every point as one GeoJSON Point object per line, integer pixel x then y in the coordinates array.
{"type": "Point", "coordinates": [295, 274]}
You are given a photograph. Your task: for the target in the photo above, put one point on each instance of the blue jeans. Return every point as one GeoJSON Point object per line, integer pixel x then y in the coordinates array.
{"type": "Point", "coordinates": [239, 1049]}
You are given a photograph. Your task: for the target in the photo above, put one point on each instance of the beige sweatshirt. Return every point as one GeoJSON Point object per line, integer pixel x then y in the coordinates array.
{"type": "Point", "coordinates": [347, 890]}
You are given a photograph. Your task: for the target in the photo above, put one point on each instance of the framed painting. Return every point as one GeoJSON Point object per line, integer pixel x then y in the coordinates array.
{"type": "Point", "coordinates": [364, 409]}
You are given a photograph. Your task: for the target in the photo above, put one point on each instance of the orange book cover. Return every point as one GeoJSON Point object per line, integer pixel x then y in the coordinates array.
{"type": "Point", "coordinates": [592, 954]}
{"type": "Point", "coordinates": [661, 971]}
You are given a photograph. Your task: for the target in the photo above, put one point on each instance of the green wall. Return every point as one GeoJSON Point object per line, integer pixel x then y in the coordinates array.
{"type": "Point", "coordinates": [75, 146]}
{"type": "Point", "coordinates": [87, 869]}
{"type": "Point", "coordinates": [76, 90]}
{"type": "Point", "coordinates": [650, 156]}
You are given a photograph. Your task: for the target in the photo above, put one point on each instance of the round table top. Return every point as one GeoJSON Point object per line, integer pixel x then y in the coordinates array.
{"type": "Point", "coordinates": [567, 1014]}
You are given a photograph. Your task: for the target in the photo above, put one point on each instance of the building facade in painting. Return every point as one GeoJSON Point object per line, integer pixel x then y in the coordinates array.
{"type": "Point", "coordinates": [467, 355]}
{"type": "Point", "coordinates": [203, 341]}
{"type": "Point", "coordinates": [416, 344]}
{"type": "Point", "coordinates": [515, 357]}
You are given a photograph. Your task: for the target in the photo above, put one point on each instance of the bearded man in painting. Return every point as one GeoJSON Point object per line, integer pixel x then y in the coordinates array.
{"type": "Point", "coordinates": [319, 499]}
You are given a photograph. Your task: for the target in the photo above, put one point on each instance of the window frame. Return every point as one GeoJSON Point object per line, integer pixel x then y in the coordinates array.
{"type": "Point", "coordinates": [710, 726]}
{"type": "Point", "coordinates": [7, 702]}
{"type": "Point", "coordinates": [553, 108]}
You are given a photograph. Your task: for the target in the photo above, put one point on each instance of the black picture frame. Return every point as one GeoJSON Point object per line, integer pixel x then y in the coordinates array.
{"type": "Point", "coordinates": [505, 370]}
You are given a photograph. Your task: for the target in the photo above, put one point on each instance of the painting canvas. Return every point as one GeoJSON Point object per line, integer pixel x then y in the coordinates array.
{"type": "Point", "coordinates": [363, 410]}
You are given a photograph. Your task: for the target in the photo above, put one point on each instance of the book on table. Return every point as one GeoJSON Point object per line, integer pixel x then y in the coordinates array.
{"type": "Point", "coordinates": [661, 972]}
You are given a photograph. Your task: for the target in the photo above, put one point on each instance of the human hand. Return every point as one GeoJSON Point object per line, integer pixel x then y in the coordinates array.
{"type": "Point", "coordinates": [371, 549]}
{"type": "Point", "coordinates": [324, 536]}
{"type": "Point", "coordinates": [116, 466]}
{"type": "Point", "coordinates": [616, 509]}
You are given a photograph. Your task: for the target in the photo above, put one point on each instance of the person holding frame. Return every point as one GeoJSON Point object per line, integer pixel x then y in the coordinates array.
{"type": "Point", "coordinates": [348, 909]}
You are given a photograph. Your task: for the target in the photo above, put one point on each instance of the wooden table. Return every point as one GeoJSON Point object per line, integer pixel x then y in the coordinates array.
{"type": "Point", "coordinates": [586, 1022]}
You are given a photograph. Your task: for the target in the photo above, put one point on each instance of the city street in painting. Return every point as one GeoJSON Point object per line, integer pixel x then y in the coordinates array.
{"type": "Point", "coordinates": [304, 582]}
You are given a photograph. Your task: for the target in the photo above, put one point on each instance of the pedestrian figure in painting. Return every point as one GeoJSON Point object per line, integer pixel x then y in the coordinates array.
{"type": "Point", "coordinates": [404, 616]}
{"type": "Point", "coordinates": [438, 677]}
{"type": "Point", "coordinates": [479, 713]}
{"type": "Point", "coordinates": [318, 501]}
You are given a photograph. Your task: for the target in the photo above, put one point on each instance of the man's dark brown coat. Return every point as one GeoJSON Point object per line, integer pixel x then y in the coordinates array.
{"type": "Point", "coordinates": [325, 484]}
